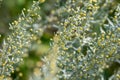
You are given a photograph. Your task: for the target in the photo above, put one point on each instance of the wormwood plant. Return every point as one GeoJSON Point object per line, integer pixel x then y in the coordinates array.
{"type": "Point", "coordinates": [90, 40]}
{"type": "Point", "coordinates": [23, 32]}
{"type": "Point", "coordinates": [86, 47]}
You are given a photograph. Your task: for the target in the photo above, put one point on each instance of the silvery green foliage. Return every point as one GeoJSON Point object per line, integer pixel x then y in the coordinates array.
{"type": "Point", "coordinates": [23, 31]}
{"type": "Point", "coordinates": [90, 40]}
